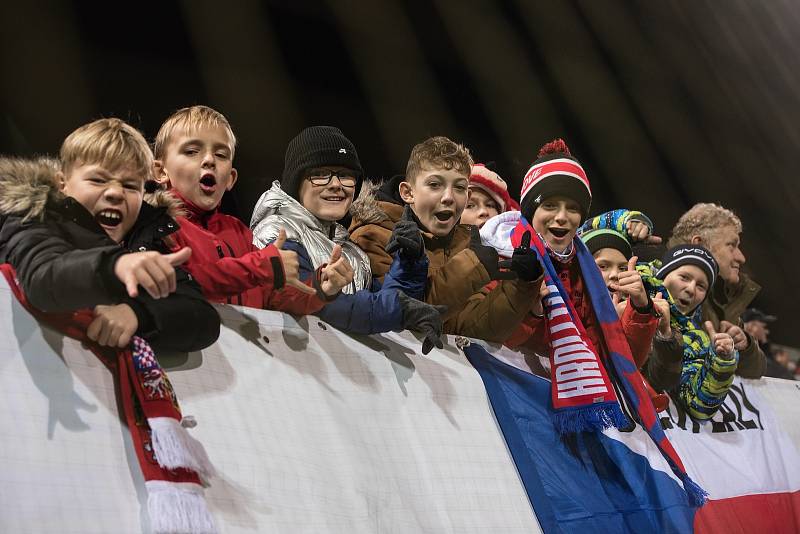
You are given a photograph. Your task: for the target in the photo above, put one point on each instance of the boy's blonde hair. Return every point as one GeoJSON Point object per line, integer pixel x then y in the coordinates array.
{"type": "Point", "coordinates": [438, 152]}
{"type": "Point", "coordinates": [111, 143]}
{"type": "Point", "coordinates": [190, 120]}
{"type": "Point", "coordinates": [703, 219]}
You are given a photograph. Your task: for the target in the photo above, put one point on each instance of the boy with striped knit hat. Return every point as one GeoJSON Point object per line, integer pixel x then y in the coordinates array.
{"type": "Point", "coordinates": [708, 359]}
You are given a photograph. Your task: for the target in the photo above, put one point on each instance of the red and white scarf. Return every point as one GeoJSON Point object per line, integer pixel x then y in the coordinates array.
{"type": "Point", "coordinates": [173, 463]}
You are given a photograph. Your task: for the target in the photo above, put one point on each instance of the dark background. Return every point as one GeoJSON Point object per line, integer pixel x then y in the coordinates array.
{"type": "Point", "coordinates": [665, 103]}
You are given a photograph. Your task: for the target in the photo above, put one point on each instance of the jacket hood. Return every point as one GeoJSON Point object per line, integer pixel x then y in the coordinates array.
{"type": "Point", "coordinates": [368, 208]}
{"type": "Point", "coordinates": [26, 185]}
{"type": "Point", "coordinates": [496, 232]}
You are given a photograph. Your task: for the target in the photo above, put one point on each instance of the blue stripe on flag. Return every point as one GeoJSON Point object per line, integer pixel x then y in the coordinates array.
{"type": "Point", "coordinates": [585, 483]}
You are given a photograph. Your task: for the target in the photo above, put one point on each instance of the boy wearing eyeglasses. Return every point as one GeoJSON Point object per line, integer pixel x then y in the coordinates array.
{"type": "Point", "coordinates": [321, 176]}
{"type": "Point", "coordinates": [194, 151]}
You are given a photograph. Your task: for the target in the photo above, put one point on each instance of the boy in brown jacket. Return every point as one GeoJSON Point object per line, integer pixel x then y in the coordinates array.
{"type": "Point", "coordinates": [420, 214]}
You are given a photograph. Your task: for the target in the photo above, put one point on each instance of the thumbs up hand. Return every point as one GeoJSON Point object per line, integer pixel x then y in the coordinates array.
{"type": "Point", "coordinates": [291, 265]}
{"type": "Point", "coordinates": [722, 342]}
{"type": "Point", "coordinates": [629, 284]}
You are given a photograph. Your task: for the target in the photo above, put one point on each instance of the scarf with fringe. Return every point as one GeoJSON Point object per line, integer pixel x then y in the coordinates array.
{"type": "Point", "coordinates": [173, 463]}
{"type": "Point", "coordinates": [586, 372]}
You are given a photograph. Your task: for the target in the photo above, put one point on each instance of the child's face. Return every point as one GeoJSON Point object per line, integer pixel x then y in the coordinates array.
{"type": "Point", "coordinates": [688, 286]}
{"type": "Point", "coordinates": [480, 208]}
{"type": "Point", "coordinates": [437, 197]}
{"type": "Point", "coordinates": [557, 219]}
{"type": "Point", "coordinates": [611, 262]}
{"type": "Point", "coordinates": [199, 165]}
{"type": "Point", "coordinates": [328, 202]}
{"type": "Point", "coordinates": [113, 198]}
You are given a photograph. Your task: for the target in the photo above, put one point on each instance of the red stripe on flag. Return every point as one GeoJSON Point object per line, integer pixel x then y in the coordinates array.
{"type": "Point", "coordinates": [762, 513]}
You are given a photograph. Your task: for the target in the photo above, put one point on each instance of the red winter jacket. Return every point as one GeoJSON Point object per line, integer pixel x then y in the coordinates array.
{"type": "Point", "coordinates": [230, 269]}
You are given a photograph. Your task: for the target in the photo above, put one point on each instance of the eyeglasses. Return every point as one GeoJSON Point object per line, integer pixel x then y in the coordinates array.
{"type": "Point", "coordinates": [324, 177]}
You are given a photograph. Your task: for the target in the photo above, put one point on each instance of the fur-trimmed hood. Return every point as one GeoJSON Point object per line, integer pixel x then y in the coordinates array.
{"type": "Point", "coordinates": [27, 186]}
{"type": "Point", "coordinates": [374, 199]}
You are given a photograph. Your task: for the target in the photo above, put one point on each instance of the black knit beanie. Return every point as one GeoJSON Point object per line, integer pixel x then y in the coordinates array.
{"type": "Point", "coordinates": [318, 146]}
{"type": "Point", "coordinates": [555, 172]}
{"type": "Point", "coordinates": [689, 255]}
{"type": "Point", "coordinates": [603, 238]}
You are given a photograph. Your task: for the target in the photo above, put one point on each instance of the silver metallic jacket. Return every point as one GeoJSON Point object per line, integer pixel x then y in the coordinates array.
{"type": "Point", "coordinates": [276, 209]}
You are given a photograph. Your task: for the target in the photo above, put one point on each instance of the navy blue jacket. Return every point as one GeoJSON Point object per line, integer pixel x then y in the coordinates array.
{"type": "Point", "coordinates": [375, 309]}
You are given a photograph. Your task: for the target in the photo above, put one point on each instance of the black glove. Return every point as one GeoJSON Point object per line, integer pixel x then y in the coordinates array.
{"type": "Point", "coordinates": [488, 257]}
{"type": "Point", "coordinates": [423, 318]}
{"type": "Point", "coordinates": [524, 262]}
{"type": "Point", "coordinates": [406, 237]}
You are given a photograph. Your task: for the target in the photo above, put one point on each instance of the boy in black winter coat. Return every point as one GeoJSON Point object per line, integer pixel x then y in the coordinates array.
{"type": "Point", "coordinates": [80, 236]}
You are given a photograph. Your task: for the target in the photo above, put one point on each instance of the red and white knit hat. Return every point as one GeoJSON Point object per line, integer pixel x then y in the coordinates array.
{"type": "Point", "coordinates": [490, 182]}
{"type": "Point", "coordinates": [555, 172]}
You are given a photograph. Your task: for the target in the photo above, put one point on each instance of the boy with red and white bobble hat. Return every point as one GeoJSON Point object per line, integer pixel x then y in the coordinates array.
{"type": "Point", "coordinates": [488, 196]}
{"type": "Point", "coordinates": [594, 377]}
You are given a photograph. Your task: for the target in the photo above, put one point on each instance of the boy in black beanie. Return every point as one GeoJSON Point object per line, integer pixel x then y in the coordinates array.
{"type": "Point", "coordinates": [322, 173]}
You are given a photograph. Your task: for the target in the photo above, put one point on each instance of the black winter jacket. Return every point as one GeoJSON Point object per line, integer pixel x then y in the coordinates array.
{"type": "Point", "coordinates": [65, 260]}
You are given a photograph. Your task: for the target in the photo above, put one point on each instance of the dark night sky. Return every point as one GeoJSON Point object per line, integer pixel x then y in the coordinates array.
{"type": "Point", "coordinates": [665, 103]}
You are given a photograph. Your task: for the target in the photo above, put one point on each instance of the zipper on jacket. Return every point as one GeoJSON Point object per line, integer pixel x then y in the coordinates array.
{"type": "Point", "coordinates": [222, 255]}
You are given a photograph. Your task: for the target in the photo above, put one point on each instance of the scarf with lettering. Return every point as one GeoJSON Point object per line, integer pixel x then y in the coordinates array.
{"type": "Point", "coordinates": [581, 375]}
{"type": "Point", "coordinates": [173, 463]}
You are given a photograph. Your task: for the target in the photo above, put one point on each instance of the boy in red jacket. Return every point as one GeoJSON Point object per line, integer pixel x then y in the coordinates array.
{"type": "Point", "coordinates": [194, 151]}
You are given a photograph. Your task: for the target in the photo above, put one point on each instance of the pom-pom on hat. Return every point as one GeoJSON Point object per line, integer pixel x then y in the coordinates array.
{"type": "Point", "coordinates": [689, 255]}
{"type": "Point", "coordinates": [604, 238]}
{"type": "Point", "coordinates": [555, 172]}
{"type": "Point", "coordinates": [488, 181]}
{"type": "Point", "coordinates": [318, 146]}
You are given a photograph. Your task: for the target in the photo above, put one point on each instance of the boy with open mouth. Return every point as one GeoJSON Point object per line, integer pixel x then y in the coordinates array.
{"type": "Point", "coordinates": [194, 151]}
{"type": "Point", "coordinates": [418, 216]}
{"type": "Point", "coordinates": [79, 236]}
{"type": "Point", "coordinates": [707, 359]}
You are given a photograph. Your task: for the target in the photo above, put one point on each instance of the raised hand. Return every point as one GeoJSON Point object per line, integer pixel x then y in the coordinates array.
{"type": "Point", "coordinates": [639, 231]}
{"type": "Point", "coordinates": [113, 326]}
{"type": "Point", "coordinates": [488, 257]}
{"type": "Point", "coordinates": [722, 342]}
{"type": "Point", "coordinates": [291, 266]}
{"type": "Point", "coordinates": [661, 305]}
{"type": "Point", "coordinates": [406, 237]}
{"type": "Point", "coordinates": [524, 261]}
{"type": "Point", "coordinates": [629, 284]}
{"type": "Point", "coordinates": [740, 340]}
{"type": "Point", "coordinates": [336, 274]}
{"type": "Point", "coordinates": [154, 271]}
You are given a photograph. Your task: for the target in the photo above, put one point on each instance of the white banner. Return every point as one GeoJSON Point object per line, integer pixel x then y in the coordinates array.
{"type": "Point", "coordinates": [310, 430]}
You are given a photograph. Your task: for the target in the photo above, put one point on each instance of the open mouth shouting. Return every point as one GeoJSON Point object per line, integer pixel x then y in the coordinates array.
{"type": "Point", "coordinates": [444, 216]}
{"type": "Point", "coordinates": [558, 233]}
{"type": "Point", "coordinates": [208, 183]}
{"type": "Point", "coordinates": [109, 218]}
